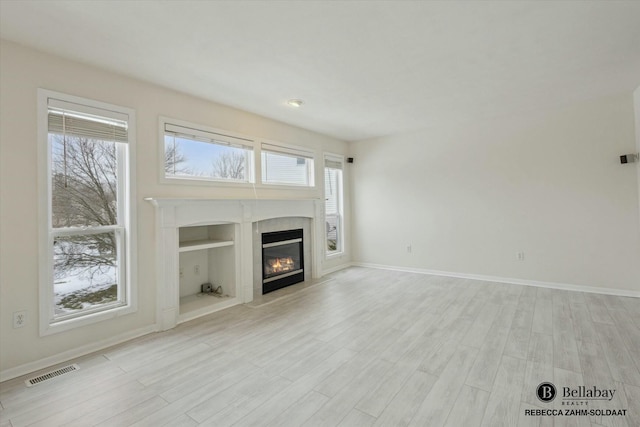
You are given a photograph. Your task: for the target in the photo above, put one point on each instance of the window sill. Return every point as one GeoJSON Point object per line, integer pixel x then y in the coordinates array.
{"type": "Point", "coordinates": [235, 184]}
{"type": "Point", "coordinates": [205, 181]}
{"type": "Point", "coordinates": [333, 255]}
{"type": "Point", "coordinates": [77, 322]}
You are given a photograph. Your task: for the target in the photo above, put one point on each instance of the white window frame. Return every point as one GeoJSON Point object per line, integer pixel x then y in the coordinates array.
{"type": "Point", "coordinates": [340, 202]}
{"type": "Point", "coordinates": [231, 138]}
{"type": "Point", "coordinates": [125, 230]}
{"type": "Point", "coordinates": [291, 151]}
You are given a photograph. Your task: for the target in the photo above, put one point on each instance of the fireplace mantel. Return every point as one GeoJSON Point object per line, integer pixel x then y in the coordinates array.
{"type": "Point", "coordinates": [172, 213]}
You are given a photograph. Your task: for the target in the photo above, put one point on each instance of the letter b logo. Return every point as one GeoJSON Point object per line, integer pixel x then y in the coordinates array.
{"type": "Point", "coordinates": [546, 392]}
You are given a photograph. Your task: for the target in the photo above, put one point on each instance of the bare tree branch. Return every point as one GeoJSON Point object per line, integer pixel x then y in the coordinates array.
{"type": "Point", "coordinates": [174, 160]}
{"type": "Point", "coordinates": [84, 194]}
{"type": "Point", "coordinates": [229, 164]}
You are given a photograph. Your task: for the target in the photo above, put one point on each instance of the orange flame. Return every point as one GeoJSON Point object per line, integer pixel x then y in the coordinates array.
{"type": "Point", "coordinates": [280, 265]}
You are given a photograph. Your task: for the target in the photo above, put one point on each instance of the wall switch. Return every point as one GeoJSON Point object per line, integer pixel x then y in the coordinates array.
{"type": "Point", "coordinates": [196, 269]}
{"type": "Point", "coordinates": [19, 319]}
{"type": "Point", "coordinates": [520, 256]}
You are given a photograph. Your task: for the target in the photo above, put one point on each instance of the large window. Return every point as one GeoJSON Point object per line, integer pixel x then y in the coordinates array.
{"type": "Point", "coordinates": [194, 153]}
{"type": "Point", "coordinates": [87, 266]}
{"type": "Point", "coordinates": [333, 166]}
{"type": "Point", "coordinates": [287, 166]}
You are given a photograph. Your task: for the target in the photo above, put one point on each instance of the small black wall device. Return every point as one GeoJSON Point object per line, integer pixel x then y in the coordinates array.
{"type": "Point", "coordinates": [349, 159]}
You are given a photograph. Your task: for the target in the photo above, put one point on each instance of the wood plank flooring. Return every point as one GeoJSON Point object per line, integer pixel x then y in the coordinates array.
{"type": "Point", "coordinates": [365, 348]}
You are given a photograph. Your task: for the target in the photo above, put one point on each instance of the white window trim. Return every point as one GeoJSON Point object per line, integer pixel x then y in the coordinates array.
{"type": "Point", "coordinates": [44, 218]}
{"type": "Point", "coordinates": [335, 254]}
{"type": "Point", "coordinates": [222, 135]}
{"type": "Point", "coordinates": [232, 137]}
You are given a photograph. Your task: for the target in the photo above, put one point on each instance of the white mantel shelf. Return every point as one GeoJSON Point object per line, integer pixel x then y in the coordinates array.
{"type": "Point", "coordinates": [173, 213]}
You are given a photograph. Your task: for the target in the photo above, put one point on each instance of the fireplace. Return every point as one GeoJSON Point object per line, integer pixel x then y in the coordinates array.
{"type": "Point", "coordinates": [282, 259]}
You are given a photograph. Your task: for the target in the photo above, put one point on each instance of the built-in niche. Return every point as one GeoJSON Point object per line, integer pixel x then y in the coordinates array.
{"type": "Point", "coordinates": [224, 235]}
{"type": "Point", "coordinates": [207, 266]}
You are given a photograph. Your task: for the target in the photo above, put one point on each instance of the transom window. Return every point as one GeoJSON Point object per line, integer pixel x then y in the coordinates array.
{"type": "Point", "coordinates": [194, 153]}
{"type": "Point", "coordinates": [287, 166]}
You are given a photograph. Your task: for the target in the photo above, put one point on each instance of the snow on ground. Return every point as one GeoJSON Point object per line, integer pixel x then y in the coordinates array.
{"type": "Point", "coordinates": [80, 281]}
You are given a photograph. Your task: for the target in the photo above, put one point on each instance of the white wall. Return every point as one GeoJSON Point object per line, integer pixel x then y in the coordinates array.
{"type": "Point", "coordinates": [636, 108]}
{"type": "Point", "coordinates": [468, 198]}
{"type": "Point", "coordinates": [22, 72]}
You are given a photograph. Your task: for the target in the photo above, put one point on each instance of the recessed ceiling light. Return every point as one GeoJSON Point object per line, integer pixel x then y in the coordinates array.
{"type": "Point", "coordinates": [295, 102]}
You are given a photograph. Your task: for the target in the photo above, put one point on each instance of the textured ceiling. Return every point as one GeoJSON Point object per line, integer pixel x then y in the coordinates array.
{"type": "Point", "coordinates": [364, 69]}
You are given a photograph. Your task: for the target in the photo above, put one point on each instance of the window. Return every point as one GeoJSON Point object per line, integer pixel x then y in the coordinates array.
{"type": "Point", "coordinates": [87, 268]}
{"type": "Point", "coordinates": [333, 204]}
{"type": "Point", "coordinates": [193, 153]}
{"type": "Point", "coordinates": [287, 166]}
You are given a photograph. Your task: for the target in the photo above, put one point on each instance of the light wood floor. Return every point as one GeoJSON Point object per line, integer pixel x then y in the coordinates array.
{"type": "Point", "coordinates": [367, 348]}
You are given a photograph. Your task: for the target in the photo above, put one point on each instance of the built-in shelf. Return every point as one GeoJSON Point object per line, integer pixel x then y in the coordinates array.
{"type": "Point", "coordinates": [184, 266]}
{"type": "Point", "coordinates": [196, 245]}
{"type": "Point", "coordinates": [194, 306]}
{"type": "Point", "coordinates": [207, 255]}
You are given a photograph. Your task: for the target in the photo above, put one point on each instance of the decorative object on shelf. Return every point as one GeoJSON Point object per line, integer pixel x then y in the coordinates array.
{"type": "Point", "coordinates": [210, 289]}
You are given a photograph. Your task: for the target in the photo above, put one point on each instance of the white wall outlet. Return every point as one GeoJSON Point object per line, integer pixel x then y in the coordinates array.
{"type": "Point", "coordinates": [196, 269]}
{"type": "Point", "coordinates": [19, 319]}
{"type": "Point", "coordinates": [409, 249]}
{"type": "Point", "coordinates": [181, 272]}
{"type": "Point", "coordinates": [520, 256]}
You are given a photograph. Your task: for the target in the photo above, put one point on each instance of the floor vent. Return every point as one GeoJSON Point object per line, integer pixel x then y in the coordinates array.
{"type": "Point", "coordinates": [53, 374]}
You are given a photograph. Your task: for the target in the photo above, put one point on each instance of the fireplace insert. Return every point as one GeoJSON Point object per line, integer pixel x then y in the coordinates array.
{"type": "Point", "coordinates": [282, 259]}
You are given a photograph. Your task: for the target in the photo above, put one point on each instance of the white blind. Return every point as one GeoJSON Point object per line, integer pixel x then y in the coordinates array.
{"type": "Point", "coordinates": [67, 118]}
{"type": "Point", "coordinates": [287, 151]}
{"type": "Point", "coordinates": [331, 191]}
{"type": "Point", "coordinates": [333, 163]}
{"type": "Point", "coordinates": [206, 136]}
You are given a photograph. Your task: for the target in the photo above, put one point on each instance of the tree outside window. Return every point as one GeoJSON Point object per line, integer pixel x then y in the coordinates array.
{"type": "Point", "coordinates": [88, 209]}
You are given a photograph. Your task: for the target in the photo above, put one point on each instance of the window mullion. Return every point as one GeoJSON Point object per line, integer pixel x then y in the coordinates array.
{"type": "Point", "coordinates": [85, 231]}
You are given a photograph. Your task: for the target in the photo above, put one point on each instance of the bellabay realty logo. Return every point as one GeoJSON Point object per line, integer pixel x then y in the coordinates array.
{"type": "Point", "coordinates": [575, 396]}
{"type": "Point", "coordinates": [546, 392]}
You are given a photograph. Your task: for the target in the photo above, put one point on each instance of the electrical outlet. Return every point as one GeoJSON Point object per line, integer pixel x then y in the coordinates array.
{"type": "Point", "coordinates": [19, 319]}
{"type": "Point", "coordinates": [181, 272]}
{"type": "Point", "coordinates": [520, 256]}
{"type": "Point", "coordinates": [409, 249]}
{"type": "Point", "coordinates": [196, 269]}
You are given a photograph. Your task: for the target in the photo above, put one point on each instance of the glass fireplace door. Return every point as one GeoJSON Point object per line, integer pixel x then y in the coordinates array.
{"type": "Point", "coordinates": [282, 259]}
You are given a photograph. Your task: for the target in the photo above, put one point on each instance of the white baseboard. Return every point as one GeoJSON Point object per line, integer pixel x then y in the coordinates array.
{"type": "Point", "coordinates": [337, 268]}
{"type": "Point", "coordinates": [101, 345]}
{"type": "Point", "coordinates": [30, 367]}
{"type": "Point", "coordinates": [551, 285]}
